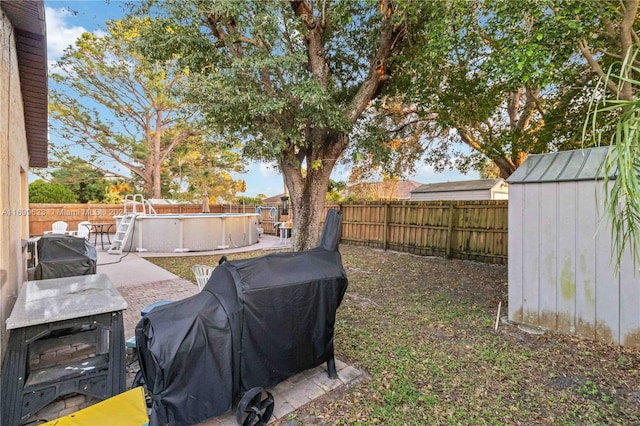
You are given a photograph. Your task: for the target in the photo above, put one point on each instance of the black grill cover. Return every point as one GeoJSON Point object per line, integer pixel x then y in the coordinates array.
{"type": "Point", "coordinates": [256, 322]}
{"type": "Point", "coordinates": [64, 256]}
{"type": "Point", "coordinates": [185, 353]}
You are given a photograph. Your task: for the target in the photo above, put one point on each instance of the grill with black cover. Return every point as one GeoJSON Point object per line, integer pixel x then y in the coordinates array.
{"type": "Point", "coordinates": [64, 256]}
{"type": "Point", "coordinates": [256, 323]}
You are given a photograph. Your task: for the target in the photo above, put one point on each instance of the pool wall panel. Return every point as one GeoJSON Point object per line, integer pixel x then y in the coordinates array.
{"type": "Point", "coordinates": [195, 232]}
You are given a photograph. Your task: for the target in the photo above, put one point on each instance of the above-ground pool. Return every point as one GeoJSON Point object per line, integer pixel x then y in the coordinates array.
{"type": "Point", "coordinates": [192, 232]}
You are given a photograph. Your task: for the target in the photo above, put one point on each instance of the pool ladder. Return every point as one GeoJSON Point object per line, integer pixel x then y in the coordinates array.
{"type": "Point", "coordinates": [125, 227]}
{"type": "Point", "coordinates": [134, 205]}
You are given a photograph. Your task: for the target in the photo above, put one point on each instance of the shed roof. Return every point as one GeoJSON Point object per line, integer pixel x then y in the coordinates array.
{"type": "Point", "coordinates": [581, 164]}
{"type": "Point", "coordinates": [463, 185]}
{"type": "Point", "coordinates": [27, 18]}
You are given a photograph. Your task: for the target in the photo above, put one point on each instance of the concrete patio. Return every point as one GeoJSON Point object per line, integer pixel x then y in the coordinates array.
{"type": "Point", "coordinates": [141, 282]}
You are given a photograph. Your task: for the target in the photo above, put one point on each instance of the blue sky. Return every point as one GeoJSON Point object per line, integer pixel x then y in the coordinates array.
{"type": "Point", "coordinates": [67, 20]}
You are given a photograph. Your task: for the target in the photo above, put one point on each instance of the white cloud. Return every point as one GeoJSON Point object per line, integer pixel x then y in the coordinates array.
{"type": "Point", "coordinates": [60, 33]}
{"type": "Point", "coordinates": [268, 170]}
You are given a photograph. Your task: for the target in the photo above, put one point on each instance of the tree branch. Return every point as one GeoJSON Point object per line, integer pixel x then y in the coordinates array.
{"type": "Point", "coordinates": [529, 108]}
{"type": "Point", "coordinates": [389, 34]}
{"type": "Point", "coordinates": [469, 140]}
{"type": "Point", "coordinates": [626, 43]}
{"type": "Point", "coordinates": [512, 107]}
{"type": "Point", "coordinates": [315, 42]}
{"type": "Point", "coordinates": [619, 57]}
{"type": "Point", "coordinates": [213, 22]}
{"type": "Point", "coordinates": [181, 137]}
{"type": "Point", "coordinates": [595, 66]}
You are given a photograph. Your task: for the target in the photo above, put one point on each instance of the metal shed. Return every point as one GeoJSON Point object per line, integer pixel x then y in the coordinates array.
{"type": "Point", "coordinates": [561, 272]}
{"type": "Point", "coordinates": [479, 189]}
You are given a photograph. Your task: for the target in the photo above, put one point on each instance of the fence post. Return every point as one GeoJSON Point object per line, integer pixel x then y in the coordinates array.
{"type": "Point", "coordinates": [384, 228]}
{"type": "Point", "coordinates": [449, 230]}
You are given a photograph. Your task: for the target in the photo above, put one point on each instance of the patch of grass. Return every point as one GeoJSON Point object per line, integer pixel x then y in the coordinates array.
{"type": "Point", "coordinates": [181, 265]}
{"type": "Point", "coordinates": [422, 328]}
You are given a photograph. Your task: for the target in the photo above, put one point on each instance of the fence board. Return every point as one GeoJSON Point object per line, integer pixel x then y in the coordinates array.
{"type": "Point", "coordinates": [475, 230]}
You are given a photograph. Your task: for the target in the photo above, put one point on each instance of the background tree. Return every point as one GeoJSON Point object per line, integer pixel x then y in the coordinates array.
{"type": "Point", "coordinates": [127, 112]}
{"type": "Point", "coordinates": [292, 78]}
{"type": "Point", "coordinates": [333, 190]}
{"type": "Point", "coordinates": [202, 169]}
{"type": "Point", "coordinates": [500, 79]}
{"type": "Point", "coordinates": [488, 170]}
{"type": "Point", "coordinates": [89, 184]}
{"type": "Point", "coordinates": [44, 192]}
{"type": "Point", "coordinates": [252, 201]}
{"type": "Point", "coordinates": [384, 188]}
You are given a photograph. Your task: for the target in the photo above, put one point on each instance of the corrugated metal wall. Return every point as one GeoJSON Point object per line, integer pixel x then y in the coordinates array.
{"type": "Point", "coordinates": [561, 274]}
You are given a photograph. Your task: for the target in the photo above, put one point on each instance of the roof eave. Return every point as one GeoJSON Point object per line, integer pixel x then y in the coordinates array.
{"type": "Point", "coordinates": [28, 20]}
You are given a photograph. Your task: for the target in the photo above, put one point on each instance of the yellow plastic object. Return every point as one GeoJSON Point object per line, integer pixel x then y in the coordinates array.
{"type": "Point", "coordinates": [125, 409]}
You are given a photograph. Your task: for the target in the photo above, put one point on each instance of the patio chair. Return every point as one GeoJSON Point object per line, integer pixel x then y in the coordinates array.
{"type": "Point", "coordinates": [59, 227]}
{"type": "Point", "coordinates": [202, 273]}
{"type": "Point", "coordinates": [285, 231]}
{"type": "Point", "coordinates": [84, 229]}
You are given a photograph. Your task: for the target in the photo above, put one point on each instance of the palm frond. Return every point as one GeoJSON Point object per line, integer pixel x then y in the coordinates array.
{"type": "Point", "coordinates": [621, 168]}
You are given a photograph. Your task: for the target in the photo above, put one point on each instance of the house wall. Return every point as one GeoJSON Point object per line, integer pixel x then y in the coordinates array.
{"type": "Point", "coordinates": [14, 165]}
{"type": "Point", "coordinates": [499, 194]}
{"type": "Point", "coordinates": [561, 276]}
{"type": "Point", "coordinates": [481, 194]}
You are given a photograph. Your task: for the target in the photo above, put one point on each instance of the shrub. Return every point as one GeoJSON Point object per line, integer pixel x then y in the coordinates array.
{"type": "Point", "coordinates": [44, 192]}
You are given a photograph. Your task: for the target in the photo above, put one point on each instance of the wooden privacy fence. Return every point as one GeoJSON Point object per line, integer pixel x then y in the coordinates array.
{"type": "Point", "coordinates": [474, 230]}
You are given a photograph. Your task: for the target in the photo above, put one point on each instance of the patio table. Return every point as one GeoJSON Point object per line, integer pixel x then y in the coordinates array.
{"type": "Point", "coordinates": [103, 230]}
{"type": "Point", "coordinates": [62, 313]}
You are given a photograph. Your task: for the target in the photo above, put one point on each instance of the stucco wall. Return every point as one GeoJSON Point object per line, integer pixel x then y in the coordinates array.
{"type": "Point", "coordinates": [14, 165]}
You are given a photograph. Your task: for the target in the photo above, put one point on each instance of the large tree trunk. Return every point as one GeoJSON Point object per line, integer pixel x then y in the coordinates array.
{"type": "Point", "coordinates": [156, 154]}
{"type": "Point", "coordinates": [157, 192]}
{"type": "Point", "coordinates": [147, 181]}
{"type": "Point", "coordinates": [307, 205]}
{"type": "Point", "coordinates": [308, 189]}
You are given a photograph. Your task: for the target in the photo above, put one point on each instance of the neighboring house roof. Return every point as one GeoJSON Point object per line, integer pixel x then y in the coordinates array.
{"type": "Point", "coordinates": [404, 188]}
{"type": "Point", "coordinates": [274, 199]}
{"type": "Point", "coordinates": [386, 190]}
{"type": "Point", "coordinates": [463, 185]}
{"type": "Point", "coordinates": [581, 164]}
{"type": "Point", "coordinates": [28, 20]}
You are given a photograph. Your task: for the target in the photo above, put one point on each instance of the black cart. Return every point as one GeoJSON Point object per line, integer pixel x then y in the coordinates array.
{"type": "Point", "coordinates": [256, 323]}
